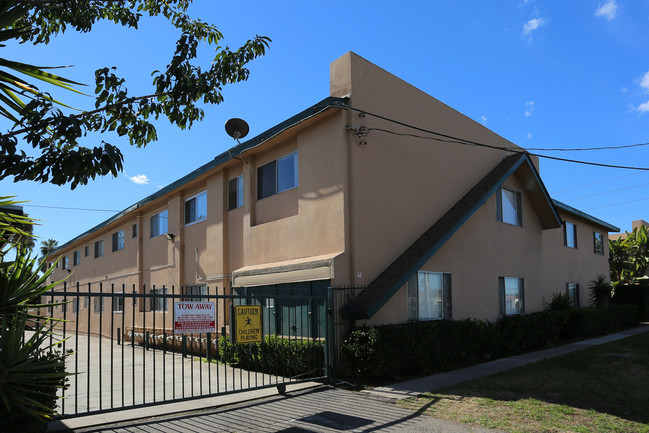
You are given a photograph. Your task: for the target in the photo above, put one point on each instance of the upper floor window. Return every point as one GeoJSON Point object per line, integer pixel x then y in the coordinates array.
{"type": "Point", "coordinates": [76, 258]}
{"type": "Point", "coordinates": [277, 176]}
{"type": "Point", "coordinates": [159, 224]}
{"type": "Point", "coordinates": [512, 295]}
{"type": "Point", "coordinates": [569, 235]}
{"type": "Point", "coordinates": [99, 248]}
{"type": "Point", "coordinates": [429, 296]}
{"type": "Point", "coordinates": [196, 208]}
{"type": "Point", "coordinates": [598, 243]}
{"type": "Point", "coordinates": [235, 193]}
{"type": "Point", "coordinates": [64, 262]}
{"type": "Point", "coordinates": [86, 251]}
{"type": "Point", "coordinates": [134, 235]}
{"type": "Point", "coordinates": [509, 207]}
{"type": "Point", "coordinates": [118, 240]}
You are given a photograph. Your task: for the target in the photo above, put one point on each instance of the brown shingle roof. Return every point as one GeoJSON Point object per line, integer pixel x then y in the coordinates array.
{"type": "Point", "coordinates": [414, 257]}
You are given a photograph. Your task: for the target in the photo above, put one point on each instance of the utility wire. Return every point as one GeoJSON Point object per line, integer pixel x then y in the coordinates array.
{"type": "Point", "coordinates": [608, 192]}
{"type": "Point", "coordinates": [451, 139]}
{"type": "Point", "coordinates": [71, 208]}
{"type": "Point", "coordinates": [594, 183]}
{"type": "Point", "coordinates": [617, 204]}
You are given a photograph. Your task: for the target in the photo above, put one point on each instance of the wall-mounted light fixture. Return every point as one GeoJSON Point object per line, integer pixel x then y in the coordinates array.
{"type": "Point", "coordinates": [170, 236]}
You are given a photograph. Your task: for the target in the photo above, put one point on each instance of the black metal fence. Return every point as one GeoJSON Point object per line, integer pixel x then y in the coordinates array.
{"type": "Point", "coordinates": [125, 352]}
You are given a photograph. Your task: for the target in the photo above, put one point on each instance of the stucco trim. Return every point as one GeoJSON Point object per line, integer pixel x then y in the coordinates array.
{"type": "Point", "coordinates": [288, 271]}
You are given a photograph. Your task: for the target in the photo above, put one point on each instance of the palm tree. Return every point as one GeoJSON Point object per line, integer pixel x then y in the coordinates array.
{"type": "Point", "coordinates": [47, 247]}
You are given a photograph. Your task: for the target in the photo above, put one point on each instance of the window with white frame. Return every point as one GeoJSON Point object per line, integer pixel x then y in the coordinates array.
{"type": "Point", "coordinates": [277, 176]}
{"type": "Point", "coordinates": [512, 295]}
{"type": "Point", "coordinates": [196, 208]}
{"type": "Point", "coordinates": [99, 248]}
{"type": "Point", "coordinates": [64, 262]}
{"type": "Point", "coordinates": [509, 206]}
{"type": "Point", "coordinates": [235, 193]}
{"type": "Point", "coordinates": [598, 243]}
{"type": "Point", "coordinates": [159, 303]}
{"type": "Point", "coordinates": [118, 303]}
{"type": "Point", "coordinates": [118, 240]}
{"type": "Point", "coordinates": [76, 258]}
{"type": "Point", "coordinates": [569, 234]}
{"type": "Point", "coordinates": [572, 290]}
{"type": "Point", "coordinates": [429, 296]}
{"type": "Point", "coordinates": [159, 224]}
{"type": "Point", "coordinates": [196, 292]}
{"type": "Point", "coordinates": [99, 304]}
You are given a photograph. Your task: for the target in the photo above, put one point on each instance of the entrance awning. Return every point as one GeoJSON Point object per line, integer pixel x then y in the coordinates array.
{"type": "Point", "coordinates": [288, 271]}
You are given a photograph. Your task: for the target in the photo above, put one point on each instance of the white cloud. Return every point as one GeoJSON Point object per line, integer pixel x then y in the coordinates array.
{"type": "Point", "coordinates": [529, 108]}
{"type": "Point", "coordinates": [644, 82]}
{"type": "Point", "coordinates": [529, 135]}
{"type": "Point", "coordinates": [532, 25]}
{"type": "Point", "coordinates": [643, 108]}
{"type": "Point", "coordinates": [140, 179]}
{"type": "Point", "coordinates": [484, 120]}
{"type": "Point", "coordinates": [623, 90]}
{"type": "Point", "coordinates": [607, 10]}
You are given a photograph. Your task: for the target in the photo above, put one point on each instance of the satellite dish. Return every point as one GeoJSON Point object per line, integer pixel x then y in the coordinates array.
{"type": "Point", "coordinates": [236, 128]}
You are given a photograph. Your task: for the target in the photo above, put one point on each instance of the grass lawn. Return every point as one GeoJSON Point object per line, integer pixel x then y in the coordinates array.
{"type": "Point", "coordinates": [600, 389]}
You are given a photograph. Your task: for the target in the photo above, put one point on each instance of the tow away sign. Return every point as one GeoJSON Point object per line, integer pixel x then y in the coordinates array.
{"type": "Point", "coordinates": [247, 324]}
{"type": "Point", "coordinates": [194, 317]}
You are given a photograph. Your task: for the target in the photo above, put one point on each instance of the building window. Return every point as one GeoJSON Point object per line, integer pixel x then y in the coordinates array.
{"type": "Point", "coordinates": [86, 302]}
{"type": "Point", "coordinates": [572, 290]}
{"type": "Point", "coordinates": [509, 207]}
{"type": "Point", "coordinates": [598, 243]}
{"type": "Point", "coordinates": [118, 303]}
{"type": "Point", "coordinates": [75, 305]}
{"type": "Point", "coordinates": [569, 235]}
{"type": "Point", "coordinates": [86, 251]}
{"type": "Point", "coordinates": [118, 241]}
{"type": "Point", "coordinates": [159, 224]}
{"type": "Point", "coordinates": [277, 176]}
{"type": "Point", "coordinates": [235, 193]}
{"type": "Point", "coordinates": [158, 303]}
{"type": "Point", "coordinates": [76, 258]}
{"type": "Point", "coordinates": [429, 296]}
{"type": "Point", "coordinates": [134, 231]}
{"type": "Point", "coordinates": [64, 262]}
{"type": "Point", "coordinates": [196, 292]}
{"type": "Point", "coordinates": [99, 304]}
{"type": "Point", "coordinates": [99, 248]}
{"type": "Point", "coordinates": [512, 295]}
{"type": "Point", "coordinates": [196, 208]}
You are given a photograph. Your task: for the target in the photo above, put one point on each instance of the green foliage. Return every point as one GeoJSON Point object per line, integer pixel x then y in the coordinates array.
{"type": "Point", "coordinates": [423, 348]}
{"type": "Point", "coordinates": [558, 301]}
{"type": "Point", "coordinates": [634, 294]}
{"type": "Point", "coordinates": [276, 355]}
{"type": "Point", "coordinates": [178, 90]}
{"type": "Point", "coordinates": [31, 369]}
{"type": "Point", "coordinates": [629, 256]}
{"type": "Point", "coordinates": [600, 292]}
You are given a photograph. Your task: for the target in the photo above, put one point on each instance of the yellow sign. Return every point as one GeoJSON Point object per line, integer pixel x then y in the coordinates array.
{"type": "Point", "coordinates": [247, 324]}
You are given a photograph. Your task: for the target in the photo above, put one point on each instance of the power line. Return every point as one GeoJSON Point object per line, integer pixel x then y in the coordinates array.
{"type": "Point", "coordinates": [71, 208]}
{"type": "Point", "coordinates": [451, 139]}
{"type": "Point", "coordinates": [625, 146]}
{"type": "Point", "coordinates": [617, 204]}
{"type": "Point", "coordinates": [594, 183]}
{"type": "Point", "coordinates": [608, 192]}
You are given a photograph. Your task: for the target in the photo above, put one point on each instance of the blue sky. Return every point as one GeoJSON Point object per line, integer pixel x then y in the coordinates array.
{"type": "Point", "coordinates": [539, 73]}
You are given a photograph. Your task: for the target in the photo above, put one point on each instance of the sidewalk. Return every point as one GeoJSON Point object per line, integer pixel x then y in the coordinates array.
{"type": "Point", "coordinates": [411, 388]}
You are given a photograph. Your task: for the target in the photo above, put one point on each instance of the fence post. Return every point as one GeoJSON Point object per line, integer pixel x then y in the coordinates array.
{"type": "Point", "coordinates": [330, 342]}
{"type": "Point", "coordinates": [209, 347]}
{"type": "Point", "coordinates": [119, 335]}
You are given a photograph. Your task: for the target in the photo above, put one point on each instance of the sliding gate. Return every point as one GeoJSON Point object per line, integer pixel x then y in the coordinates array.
{"type": "Point", "coordinates": [125, 353]}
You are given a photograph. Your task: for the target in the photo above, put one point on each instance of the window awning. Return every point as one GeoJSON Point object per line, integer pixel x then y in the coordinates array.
{"type": "Point", "coordinates": [289, 271]}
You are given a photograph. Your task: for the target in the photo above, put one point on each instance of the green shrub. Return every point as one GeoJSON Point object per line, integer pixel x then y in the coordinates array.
{"type": "Point", "coordinates": [423, 348]}
{"type": "Point", "coordinates": [635, 294]}
{"type": "Point", "coordinates": [600, 292]}
{"type": "Point", "coordinates": [558, 302]}
{"type": "Point", "coordinates": [275, 355]}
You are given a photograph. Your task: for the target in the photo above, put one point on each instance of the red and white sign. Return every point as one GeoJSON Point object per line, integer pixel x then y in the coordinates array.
{"type": "Point", "coordinates": [194, 317]}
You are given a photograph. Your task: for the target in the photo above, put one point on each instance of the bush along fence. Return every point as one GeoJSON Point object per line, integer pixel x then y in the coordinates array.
{"type": "Point", "coordinates": [634, 294]}
{"type": "Point", "coordinates": [424, 348]}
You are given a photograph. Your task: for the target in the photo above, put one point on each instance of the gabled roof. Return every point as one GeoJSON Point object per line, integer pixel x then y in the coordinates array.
{"type": "Point", "coordinates": [379, 291]}
{"type": "Point", "coordinates": [584, 215]}
{"type": "Point", "coordinates": [325, 104]}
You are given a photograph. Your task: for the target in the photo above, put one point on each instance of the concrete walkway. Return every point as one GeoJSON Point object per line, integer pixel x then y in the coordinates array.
{"type": "Point", "coordinates": [316, 409]}
{"type": "Point", "coordinates": [411, 388]}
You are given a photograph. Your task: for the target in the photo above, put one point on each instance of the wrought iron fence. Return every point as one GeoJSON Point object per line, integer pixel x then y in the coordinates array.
{"type": "Point", "coordinates": [125, 351]}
